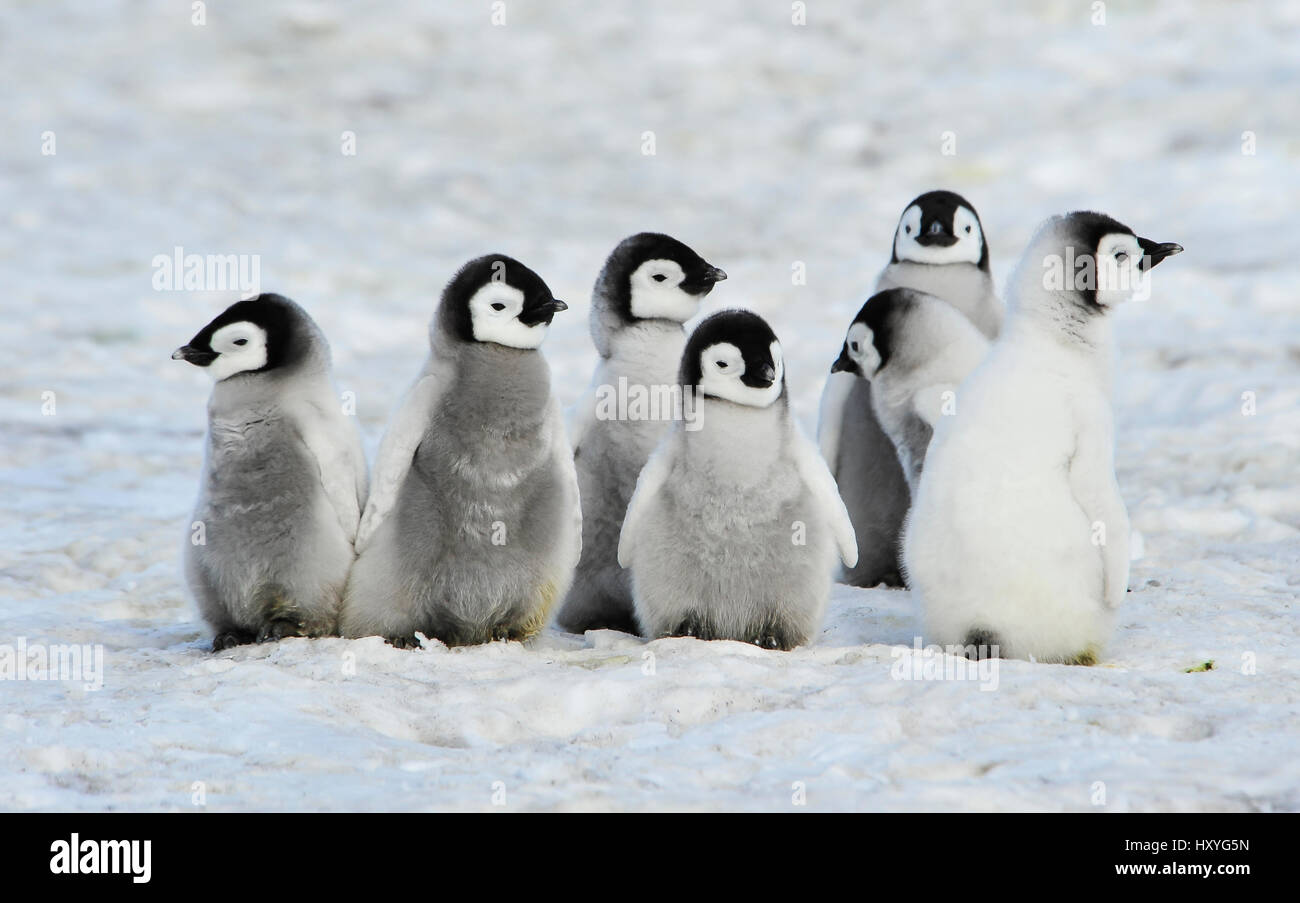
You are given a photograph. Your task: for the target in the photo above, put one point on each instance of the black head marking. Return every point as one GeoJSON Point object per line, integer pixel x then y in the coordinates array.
{"type": "Point", "coordinates": [287, 337]}
{"type": "Point", "coordinates": [747, 331]}
{"type": "Point", "coordinates": [938, 211]}
{"type": "Point", "coordinates": [883, 314]}
{"type": "Point", "coordinates": [540, 306]}
{"type": "Point", "coordinates": [615, 277]}
{"type": "Point", "coordinates": [1084, 230]}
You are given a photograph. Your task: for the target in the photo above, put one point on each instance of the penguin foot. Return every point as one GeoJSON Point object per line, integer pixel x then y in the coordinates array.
{"type": "Point", "coordinates": [692, 626]}
{"type": "Point", "coordinates": [775, 640]}
{"type": "Point", "coordinates": [407, 641]}
{"type": "Point", "coordinates": [982, 644]}
{"type": "Point", "coordinates": [278, 630]}
{"type": "Point", "coordinates": [228, 638]}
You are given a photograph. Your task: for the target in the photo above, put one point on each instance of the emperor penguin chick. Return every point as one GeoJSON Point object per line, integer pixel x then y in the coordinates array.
{"type": "Point", "coordinates": [915, 350]}
{"type": "Point", "coordinates": [735, 524]}
{"type": "Point", "coordinates": [939, 248]}
{"type": "Point", "coordinates": [1018, 540]}
{"type": "Point", "coordinates": [472, 529]}
{"type": "Point", "coordinates": [650, 285]}
{"type": "Point", "coordinates": [284, 477]}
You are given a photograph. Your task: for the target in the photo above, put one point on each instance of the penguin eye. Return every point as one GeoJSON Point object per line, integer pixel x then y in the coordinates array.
{"type": "Point", "coordinates": [968, 230]}
{"type": "Point", "coordinates": [658, 277]}
{"type": "Point", "coordinates": [907, 229]}
{"type": "Point", "coordinates": [241, 341]}
{"type": "Point", "coordinates": [854, 346]}
{"type": "Point", "coordinates": [1121, 256]}
{"type": "Point", "coordinates": [722, 365]}
{"type": "Point", "coordinates": [497, 305]}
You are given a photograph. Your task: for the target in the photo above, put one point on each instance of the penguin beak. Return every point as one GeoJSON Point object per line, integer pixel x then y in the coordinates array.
{"type": "Point", "coordinates": [843, 363]}
{"type": "Point", "coordinates": [194, 356]}
{"type": "Point", "coordinates": [702, 283]}
{"type": "Point", "coordinates": [763, 379]}
{"type": "Point", "coordinates": [936, 236]}
{"type": "Point", "coordinates": [1154, 252]}
{"type": "Point", "coordinates": [542, 313]}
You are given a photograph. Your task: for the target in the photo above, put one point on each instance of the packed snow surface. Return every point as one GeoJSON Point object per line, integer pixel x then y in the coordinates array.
{"type": "Point", "coordinates": [778, 148]}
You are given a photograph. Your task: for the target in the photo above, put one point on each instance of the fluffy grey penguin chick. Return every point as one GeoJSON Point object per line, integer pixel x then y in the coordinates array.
{"type": "Point", "coordinates": [473, 527]}
{"type": "Point", "coordinates": [915, 350]}
{"type": "Point", "coordinates": [1018, 541]}
{"type": "Point", "coordinates": [284, 477]}
{"type": "Point", "coordinates": [734, 527]}
{"type": "Point", "coordinates": [650, 285]}
{"type": "Point", "coordinates": [939, 248]}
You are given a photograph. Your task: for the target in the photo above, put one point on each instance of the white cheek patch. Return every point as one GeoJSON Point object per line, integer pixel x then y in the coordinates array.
{"type": "Point", "coordinates": [778, 362]}
{"type": "Point", "coordinates": [866, 356]}
{"type": "Point", "coordinates": [1118, 280]}
{"type": "Point", "coordinates": [661, 300]}
{"type": "Point", "coordinates": [231, 358]}
{"type": "Point", "coordinates": [502, 326]}
{"type": "Point", "coordinates": [905, 240]}
{"type": "Point", "coordinates": [967, 228]}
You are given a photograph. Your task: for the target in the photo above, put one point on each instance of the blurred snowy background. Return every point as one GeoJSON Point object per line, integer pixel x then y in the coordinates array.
{"type": "Point", "coordinates": [774, 143]}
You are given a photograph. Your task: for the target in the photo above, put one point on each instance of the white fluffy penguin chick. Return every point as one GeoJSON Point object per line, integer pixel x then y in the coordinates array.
{"type": "Point", "coordinates": [1018, 538]}
{"type": "Point", "coordinates": [915, 350]}
{"type": "Point", "coordinates": [473, 526]}
{"type": "Point", "coordinates": [650, 285]}
{"type": "Point", "coordinates": [939, 248]}
{"type": "Point", "coordinates": [735, 526]}
{"type": "Point", "coordinates": [284, 477]}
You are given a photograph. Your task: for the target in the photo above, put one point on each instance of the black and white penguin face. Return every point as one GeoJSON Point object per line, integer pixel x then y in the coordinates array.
{"type": "Point", "coordinates": [1107, 263]}
{"type": "Point", "coordinates": [868, 345]}
{"type": "Point", "coordinates": [497, 299]}
{"type": "Point", "coordinates": [859, 355]}
{"type": "Point", "coordinates": [656, 277]}
{"type": "Point", "coordinates": [940, 227]}
{"type": "Point", "coordinates": [251, 336]}
{"type": "Point", "coordinates": [734, 355]}
{"type": "Point", "coordinates": [1119, 268]}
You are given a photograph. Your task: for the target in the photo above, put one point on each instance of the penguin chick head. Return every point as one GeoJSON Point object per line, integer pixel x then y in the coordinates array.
{"type": "Point", "coordinates": [255, 335]}
{"type": "Point", "coordinates": [1091, 258]}
{"type": "Point", "coordinates": [497, 299]}
{"type": "Point", "coordinates": [872, 334]}
{"type": "Point", "coordinates": [940, 227]}
{"type": "Point", "coordinates": [733, 355]}
{"type": "Point", "coordinates": [651, 276]}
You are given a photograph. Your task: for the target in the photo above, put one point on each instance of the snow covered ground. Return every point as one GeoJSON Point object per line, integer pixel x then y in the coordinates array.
{"type": "Point", "coordinates": [775, 143]}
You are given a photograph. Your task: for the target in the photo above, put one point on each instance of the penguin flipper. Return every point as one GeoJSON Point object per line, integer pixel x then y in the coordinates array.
{"type": "Point", "coordinates": [397, 450]}
{"type": "Point", "coordinates": [1095, 490]}
{"type": "Point", "coordinates": [336, 449]}
{"type": "Point", "coordinates": [563, 453]}
{"type": "Point", "coordinates": [648, 484]}
{"type": "Point", "coordinates": [830, 417]}
{"type": "Point", "coordinates": [578, 419]}
{"type": "Point", "coordinates": [826, 497]}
